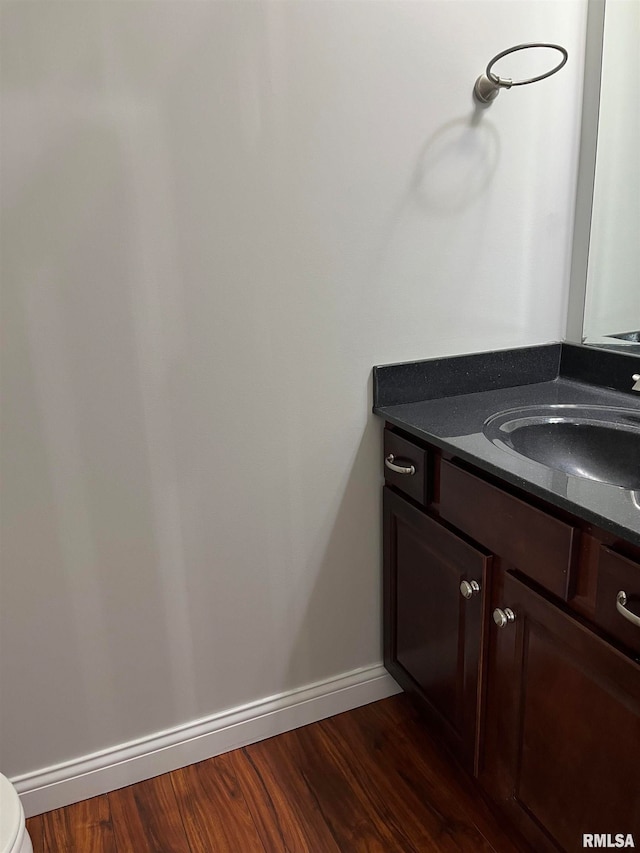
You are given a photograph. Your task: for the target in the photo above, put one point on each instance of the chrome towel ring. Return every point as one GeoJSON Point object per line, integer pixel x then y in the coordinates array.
{"type": "Point", "coordinates": [488, 85]}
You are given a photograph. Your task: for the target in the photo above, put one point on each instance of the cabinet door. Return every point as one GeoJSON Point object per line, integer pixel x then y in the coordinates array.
{"type": "Point", "coordinates": [432, 632]}
{"type": "Point", "coordinates": [562, 747]}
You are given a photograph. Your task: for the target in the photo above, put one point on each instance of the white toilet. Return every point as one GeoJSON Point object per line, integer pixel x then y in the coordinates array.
{"type": "Point", "coordinates": [14, 837]}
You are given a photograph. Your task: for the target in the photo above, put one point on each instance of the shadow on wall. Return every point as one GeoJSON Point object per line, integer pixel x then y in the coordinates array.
{"type": "Point", "coordinates": [455, 165]}
{"type": "Point", "coordinates": [434, 236]}
{"type": "Point", "coordinates": [347, 562]}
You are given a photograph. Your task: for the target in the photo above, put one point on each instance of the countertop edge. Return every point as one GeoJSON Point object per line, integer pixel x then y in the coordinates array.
{"type": "Point", "coordinates": [525, 485]}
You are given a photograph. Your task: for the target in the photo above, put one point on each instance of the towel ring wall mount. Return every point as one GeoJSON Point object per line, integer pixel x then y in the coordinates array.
{"type": "Point", "coordinates": [488, 85]}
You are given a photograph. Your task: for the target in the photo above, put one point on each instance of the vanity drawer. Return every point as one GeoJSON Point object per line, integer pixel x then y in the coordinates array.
{"type": "Point", "coordinates": [618, 574]}
{"type": "Point", "coordinates": [537, 544]}
{"type": "Point", "coordinates": [402, 453]}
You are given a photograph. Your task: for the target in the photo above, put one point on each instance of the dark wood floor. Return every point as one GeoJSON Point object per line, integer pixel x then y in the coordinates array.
{"type": "Point", "coordinates": [367, 780]}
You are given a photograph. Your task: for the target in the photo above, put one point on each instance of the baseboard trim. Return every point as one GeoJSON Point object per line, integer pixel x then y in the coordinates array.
{"type": "Point", "coordinates": [125, 764]}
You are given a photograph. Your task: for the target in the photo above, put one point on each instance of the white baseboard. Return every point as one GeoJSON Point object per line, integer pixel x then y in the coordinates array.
{"type": "Point", "coordinates": [162, 752]}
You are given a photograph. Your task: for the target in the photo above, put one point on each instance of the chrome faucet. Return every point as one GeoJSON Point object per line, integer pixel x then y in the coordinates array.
{"type": "Point", "coordinates": [636, 381]}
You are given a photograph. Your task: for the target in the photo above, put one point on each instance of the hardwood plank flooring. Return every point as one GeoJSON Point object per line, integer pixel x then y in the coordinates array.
{"type": "Point", "coordinates": [81, 828]}
{"type": "Point", "coordinates": [35, 828]}
{"type": "Point", "coordinates": [215, 814]}
{"type": "Point", "coordinates": [432, 773]}
{"type": "Point", "coordinates": [354, 820]}
{"type": "Point", "coordinates": [368, 780]}
{"type": "Point", "coordinates": [428, 820]}
{"type": "Point", "coordinates": [284, 808]}
{"type": "Point", "coordinates": [146, 818]}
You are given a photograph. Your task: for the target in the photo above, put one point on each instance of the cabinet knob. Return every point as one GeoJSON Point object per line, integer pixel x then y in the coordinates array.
{"type": "Point", "coordinates": [469, 588]}
{"type": "Point", "coordinates": [399, 469]}
{"type": "Point", "coordinates": [503, 617]}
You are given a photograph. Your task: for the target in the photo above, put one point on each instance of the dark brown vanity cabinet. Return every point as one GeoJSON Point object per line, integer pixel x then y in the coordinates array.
{"type": "Point", "coordinates": [561, 748]}
{"type": "Point", "coordinates": [433, 632]}
{"type": "Point", "coordinates": [532, 679]}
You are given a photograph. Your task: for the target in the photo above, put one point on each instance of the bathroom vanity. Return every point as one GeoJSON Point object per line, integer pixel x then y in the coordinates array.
{"type": "Point", "coordinates": [511, 588]}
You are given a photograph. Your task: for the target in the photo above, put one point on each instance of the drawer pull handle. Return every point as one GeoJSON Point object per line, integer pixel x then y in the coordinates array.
{"type": "Point", "coordinates": [399, 469]}
{"type": "Point", "coordinates": [505, 617]}
{"type": "Point", "coordinates": [621, 600]}
{"type": "Point", "coordinates": [469, 588]}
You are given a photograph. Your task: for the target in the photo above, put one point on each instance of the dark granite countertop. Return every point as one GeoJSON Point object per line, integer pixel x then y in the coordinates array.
{"type": "Point", "coordinates": [418, 398]}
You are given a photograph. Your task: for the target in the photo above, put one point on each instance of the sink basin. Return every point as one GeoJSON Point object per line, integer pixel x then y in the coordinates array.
{"type": "Point", "coordinates": [595, 442]}
{"type": "Point", "coordinates": [634, 337]}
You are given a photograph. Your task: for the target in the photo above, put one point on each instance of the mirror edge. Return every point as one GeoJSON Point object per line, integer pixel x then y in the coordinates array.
{"type": "Point", "coordinates": [594, 40]}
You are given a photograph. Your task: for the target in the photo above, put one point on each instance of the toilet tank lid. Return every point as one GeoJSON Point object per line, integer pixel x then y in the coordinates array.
{"type": "Point", "coordinates": [11, 815]}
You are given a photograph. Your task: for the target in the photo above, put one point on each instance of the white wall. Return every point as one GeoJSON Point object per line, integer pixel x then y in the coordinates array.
{"type": "Point", "coordinates": [216, 218]}
{"type": "Point", "coordinates": [613, 280]}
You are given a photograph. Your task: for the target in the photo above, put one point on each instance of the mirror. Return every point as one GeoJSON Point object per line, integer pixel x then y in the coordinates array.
{"type": "Point", "coordinates": [606, 266]}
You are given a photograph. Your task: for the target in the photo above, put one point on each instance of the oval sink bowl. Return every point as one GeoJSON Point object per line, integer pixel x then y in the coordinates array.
{"type": "Point", "coordinates": [595, 443]}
